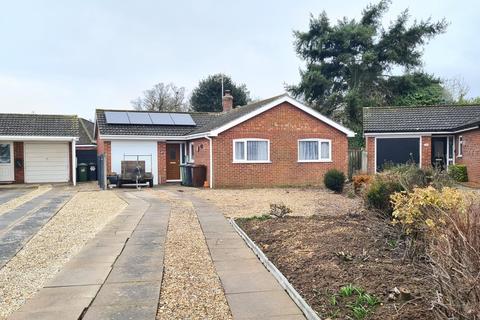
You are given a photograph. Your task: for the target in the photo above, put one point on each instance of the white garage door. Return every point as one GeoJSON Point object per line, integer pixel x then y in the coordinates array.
{"type": "Point", "coordinates": [46, 162]}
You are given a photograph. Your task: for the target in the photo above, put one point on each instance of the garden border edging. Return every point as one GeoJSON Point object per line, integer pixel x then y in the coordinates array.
{"type": "Point", "coordinates": [309, 313]}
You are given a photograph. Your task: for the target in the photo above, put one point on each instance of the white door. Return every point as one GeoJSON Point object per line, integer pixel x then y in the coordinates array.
{"type": "Point", "coordinates": [46, 162]}
{"type": "Point", "coordinates": [6, 161]}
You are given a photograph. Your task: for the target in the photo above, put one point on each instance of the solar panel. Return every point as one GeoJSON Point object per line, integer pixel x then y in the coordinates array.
{"type": "Point", "coordinates": [182, 119]}
{"type": "Point", "coordinates": [116, 117]}
{"type": "Point", "coordinates": [139, 118]}
{"type": "Point", "coordinates": [161, 118]}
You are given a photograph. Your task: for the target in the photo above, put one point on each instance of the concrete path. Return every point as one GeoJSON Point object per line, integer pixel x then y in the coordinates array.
{"type": "Point", "coordinates": [251, 290]}
{"type": "Point", "coordinates": [117, 275]}
{"type": "Point", "coordinates": [9, 194]}
{"type": "Point", "coordinates": [18, 225]}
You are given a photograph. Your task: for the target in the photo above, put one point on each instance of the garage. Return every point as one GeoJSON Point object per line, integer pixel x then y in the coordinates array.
{"type": "Point", "coordinates": [46, 162]}
{"type": "Point", "coordinates": [135, 151]}
{"type": "Point", "coordinates": [392, 151]}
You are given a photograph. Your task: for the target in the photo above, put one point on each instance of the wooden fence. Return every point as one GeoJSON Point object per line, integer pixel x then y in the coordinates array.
{"type": "Point", "coordinates": [356, 161]}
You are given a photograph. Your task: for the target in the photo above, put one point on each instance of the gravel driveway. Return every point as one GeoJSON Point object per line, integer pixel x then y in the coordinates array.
{"type": "Point", "coordinates": [48, 251]}
{"type": "Point", "coordinates": [250, 202]}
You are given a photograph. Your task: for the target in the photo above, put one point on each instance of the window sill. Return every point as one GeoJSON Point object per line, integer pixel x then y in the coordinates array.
{"type": "Point", "coordinates": [460, 156]}
{"type": "Point", "coordinates": [251, 162]}
{"type": "Point", "coordinates": [313, 161]}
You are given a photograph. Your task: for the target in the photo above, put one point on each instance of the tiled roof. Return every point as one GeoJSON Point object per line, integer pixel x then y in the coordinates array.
{"type": "Point", "coordinates": [238, 112]}
{"type": "Point", "coordinates": [204, 122]}
{"type": "Point", "coordinates": [12, 124]}
{"type": "Point", "coordinates": [420, 118]}
{"type": "Point", "coordinates": [200, 118]}
{"type": "Point", "coordinates": [85, 131]}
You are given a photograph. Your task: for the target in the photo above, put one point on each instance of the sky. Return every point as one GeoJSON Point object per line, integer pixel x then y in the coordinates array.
{"type": "Point", "coordinates": [70, 57]}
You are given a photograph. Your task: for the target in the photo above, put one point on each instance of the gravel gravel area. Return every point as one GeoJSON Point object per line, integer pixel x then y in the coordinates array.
{"type": "Point", "coordinates": [60, 239]}
{"type": "Point", "coordinates": [191, 288]}
{"type": "Point", "coordinates": [251, 202]}
{"type": "Point", "coordinates": [18, 201]}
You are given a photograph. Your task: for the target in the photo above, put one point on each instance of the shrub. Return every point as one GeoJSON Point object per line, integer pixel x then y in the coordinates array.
{"type": "Point", "coordinates": [379, 192]}
{"type": "Point", "coordinates": [458, 172]}
{"type": "Point", "coordinates": [420, 211]}
{"type": "Point", "coordinates": [334, 180]}
{"type": "Point", "coordinates": [455, 259]}
{"type": "Point", "coordinates": [446, 223]}
{"type": "Point", "coordinates": [279, 210]}
{"type": "Point", "coordinates": [360, 181]}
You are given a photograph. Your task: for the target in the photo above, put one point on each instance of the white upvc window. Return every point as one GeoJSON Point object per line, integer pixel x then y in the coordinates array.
{"type": "Point", "coordinates": [460, 146]}
{"type": "Point", "coordinates": [314, 150]}
{"type": "Point", "coordinates": [191, 152]}
{"type": "Point", "coordinates": [251, 151]}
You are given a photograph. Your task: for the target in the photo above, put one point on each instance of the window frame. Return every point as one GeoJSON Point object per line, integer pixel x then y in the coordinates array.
{"type": "Point", "coordinates": [245, 141]}
{"type": "Point", "coordinates": [191, 152]}
{"type": "Point", "coordinates": [460, 146]}
{"type": "Point", "coordinates": [319, 141]}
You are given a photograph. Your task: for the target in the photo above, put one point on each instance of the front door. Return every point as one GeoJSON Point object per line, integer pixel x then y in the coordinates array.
{"type": "Point", "coordinates": [6, 161]}
{"type": "Point", "coordinates": [439, 152]}
{"type": "Point", "coordinates": [173, 161]}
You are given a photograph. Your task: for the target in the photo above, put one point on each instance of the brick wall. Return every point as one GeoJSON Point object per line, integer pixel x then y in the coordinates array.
{"type": "Point", "coordinates": [370, 146]}
{"type": "Point", "coordinates": [18, 155]}
{"type": "Point", "coordinates": [162, 162]}
{"type": "Point", "coordinates": [283, 126]}
{"type": "Point", "coordinates": [202, 154]}
{"type": "Point", "coordinates": [107, 147]}
{"type": "Point", "coordinates": [426, 160]}
{"type": "Point", "coordinates": [471, 154]}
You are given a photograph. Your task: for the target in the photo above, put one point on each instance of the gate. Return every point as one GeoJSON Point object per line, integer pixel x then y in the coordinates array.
{"type": "Point", "coordinates": [355, 157]}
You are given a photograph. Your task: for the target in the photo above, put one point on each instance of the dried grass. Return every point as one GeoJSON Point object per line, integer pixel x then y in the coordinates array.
{"type": "Point", "coordinates": [455, 256]}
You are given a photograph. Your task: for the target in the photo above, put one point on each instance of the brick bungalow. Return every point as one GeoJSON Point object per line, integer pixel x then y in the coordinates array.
{"type": "Point", "coordinates": [274, 142]}
{"type": "Point", "coordinates": [427, 135]}
{"type": "Point", "coordinates": [37, 148]}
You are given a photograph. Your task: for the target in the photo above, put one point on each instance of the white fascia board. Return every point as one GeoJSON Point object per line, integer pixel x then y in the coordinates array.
{"type": "Point", "coordinates": [86, 145]}
{"type": "Point", "coordinates": [276, 102]}
{"type": "Point", "coordinates": [157, 138]}
{"type": "Point", "coordinates": [466, 129]}
{"type": "Point", "coordinates": [426, 133]}
{"type": "Point", "coordinates": [37, 138]}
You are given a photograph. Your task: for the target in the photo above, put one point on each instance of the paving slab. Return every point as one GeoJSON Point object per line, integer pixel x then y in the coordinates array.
{"type": "Point", "coordinates": [117, 275]}
{"type": "Point", "coordinates": [20, 224]}
{"type": "Point", "coordinates": [251, 291]}
{"type": "Point", "coordinates": [7, 195]}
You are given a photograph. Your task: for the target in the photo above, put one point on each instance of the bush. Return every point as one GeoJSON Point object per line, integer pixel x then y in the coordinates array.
{"type": "Point", "coordinates": [420, 211]}
{"type": "Point", "coordinates": [380, 190]}
{"type": "Point", "coordinates": [334, 180]}
{"type": "Point", "coordinates": [455, 259]}
{"type": "Point", "coordinates": [360, 181]}
{"type": "Point", "coordinates": [279, 210]}
{"type": "Point", "coordinates": [445, 225]}
{"type": "Point", "coordinates": [458, 172]}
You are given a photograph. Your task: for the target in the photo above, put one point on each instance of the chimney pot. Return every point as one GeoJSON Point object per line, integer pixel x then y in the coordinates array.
{"type": "Point", "coordinates": [227, 101]}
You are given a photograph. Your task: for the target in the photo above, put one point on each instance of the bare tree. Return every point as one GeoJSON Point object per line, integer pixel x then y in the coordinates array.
{"type": "Point", "coordinates": [162, 97]}
{"type": "Point", "coordinates": [456, 89]}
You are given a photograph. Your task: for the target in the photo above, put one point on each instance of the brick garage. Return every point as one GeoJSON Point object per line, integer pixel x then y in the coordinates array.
{"type": "Point", "coordinates": [441, 130]}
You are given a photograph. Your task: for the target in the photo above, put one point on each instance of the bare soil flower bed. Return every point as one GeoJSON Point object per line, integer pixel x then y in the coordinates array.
{"type": "Point", "coordinates": [323, 253]}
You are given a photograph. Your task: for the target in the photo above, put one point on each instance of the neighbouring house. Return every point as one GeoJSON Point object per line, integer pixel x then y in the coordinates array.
{"type": "Point", "coordinates": [427, 135]}
{"type": "Point", "coordinates": [86, 145]}
{"type": "Point", "coordinates": [273, 142]}
{"type": "Point", "coordinates": [37, 148]}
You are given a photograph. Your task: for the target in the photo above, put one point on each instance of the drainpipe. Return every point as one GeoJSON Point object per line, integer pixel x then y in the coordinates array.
{"type": "Point", "coordinates": [211, 160]}
{"type": "Point", "coordinates": [74, 163]}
